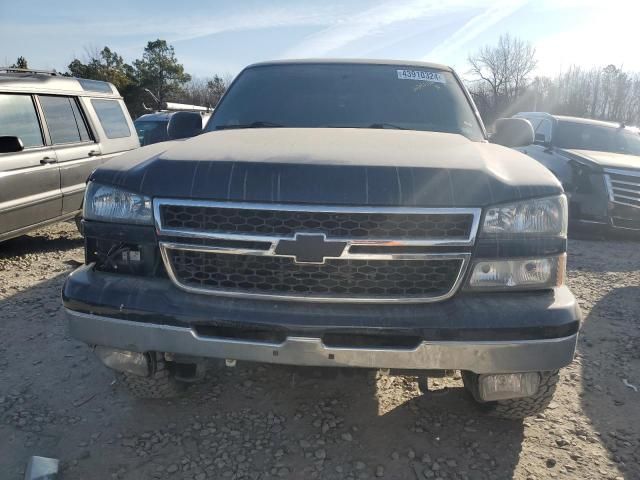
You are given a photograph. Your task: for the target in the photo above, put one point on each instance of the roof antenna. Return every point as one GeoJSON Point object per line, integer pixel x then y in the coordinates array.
{"type": "Point", "coordinates": [154, 98]}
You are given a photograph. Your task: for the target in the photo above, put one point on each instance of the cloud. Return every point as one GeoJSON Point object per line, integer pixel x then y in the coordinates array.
{"type": "Point", "coordinates": [372, 21]}
{"type": "Point", "coordinates": [379, 19]}
{"type": "Point", "coordinates": [490, 16]}
{"type": "Point", "coordinates": [178, 27]}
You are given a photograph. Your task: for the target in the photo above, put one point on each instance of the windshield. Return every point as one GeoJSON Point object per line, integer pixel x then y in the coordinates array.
{"type": "Point", "coordinates": [347, 96]}
{"type": "Point", "coordinates": [151, 131]}
{"type": "Point", "coordinates": [582, 136]}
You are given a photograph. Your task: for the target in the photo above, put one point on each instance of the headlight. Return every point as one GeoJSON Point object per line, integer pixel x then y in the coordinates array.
{"type": "Point", "coordinates": [534, 273]}
{"type": "Point", "coordinates": [111, 204]}
{"type": "Point", "coordinates": [542, 216]}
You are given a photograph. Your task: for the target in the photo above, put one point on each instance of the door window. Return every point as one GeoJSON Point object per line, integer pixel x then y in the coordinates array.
{"type": "Point", "coordinates": [112, 118]}
{"type": "Point", "coordinates": [64, 120]}
{"type": "Point", "coordinates": [18, 118]}
{"type": "Point", "coordinates": [543, 131]}
{"type": "Point", "coordinates": [535, 122]}
{"type": "Point", "coordinates": [82, 126]}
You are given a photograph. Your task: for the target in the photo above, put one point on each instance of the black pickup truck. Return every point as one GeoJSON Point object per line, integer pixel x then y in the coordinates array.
{"type": "Point", "coordinates": [333, 213]}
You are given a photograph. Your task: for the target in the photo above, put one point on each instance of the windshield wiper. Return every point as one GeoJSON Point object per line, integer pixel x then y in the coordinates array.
{"type": "Point", "coordinates": [261, 124]}
{"type": "Point", "coordinates": [373, 125]}
{"type": "Point", "coordinates": [386, 125]}
{"type": "Point", "coordinates": [250, 125]}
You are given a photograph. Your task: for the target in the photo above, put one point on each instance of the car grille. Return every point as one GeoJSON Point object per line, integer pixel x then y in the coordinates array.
{"type": "Point", "coordinates": [624, 186]}
{"type": "Point", "coordinates": [335, 278]}
{"type": "Point", "coordinates": [334, 224]}
{"type": "Point", "coordinates": [373, 254]}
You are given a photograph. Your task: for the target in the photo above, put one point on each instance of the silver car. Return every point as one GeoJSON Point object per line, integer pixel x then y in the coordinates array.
{"type": "Point", "coordinates": [54, 131]}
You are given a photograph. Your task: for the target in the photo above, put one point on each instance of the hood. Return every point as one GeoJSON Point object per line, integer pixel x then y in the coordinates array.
{"type": "Point", "coordinates": [605, 159]}
{"type": "Point", "coordinates": [332, 166]}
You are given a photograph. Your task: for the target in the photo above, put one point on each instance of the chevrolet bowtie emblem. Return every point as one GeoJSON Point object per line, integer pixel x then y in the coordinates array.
{"type": "Point", "coordinates": [310, 248]}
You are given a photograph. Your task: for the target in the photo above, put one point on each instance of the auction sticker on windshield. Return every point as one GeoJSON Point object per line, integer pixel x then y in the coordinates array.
{"type": "Point", "coordinates": [421, 75]}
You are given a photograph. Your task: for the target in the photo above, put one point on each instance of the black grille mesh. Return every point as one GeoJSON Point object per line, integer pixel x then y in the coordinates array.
{"type": "Point", "coordinates": [335, 225]}
{"type": "Point", "coordinates": [336, 278]}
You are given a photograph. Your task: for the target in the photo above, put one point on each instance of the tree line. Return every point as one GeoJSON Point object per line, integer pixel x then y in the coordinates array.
{"type": "Point", "coordinates": [501, 79]}
{"type": "Point", "coordinates": [502, 82]}
{"type": "Point", "coordinates": [147, 83]}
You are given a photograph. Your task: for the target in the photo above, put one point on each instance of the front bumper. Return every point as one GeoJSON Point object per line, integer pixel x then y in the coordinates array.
{"type": "Point", "coordinates": [479, 357]}
{"type": "Point", "coordinates": [591, 212]}
{"type": "Point", "coordinates": [624, 217]}
{"type": "Point", "coordinates": [483, 333]}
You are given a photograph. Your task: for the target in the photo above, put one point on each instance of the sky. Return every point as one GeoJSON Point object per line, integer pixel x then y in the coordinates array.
{"type": "Point", "coordinates": [220, 37]}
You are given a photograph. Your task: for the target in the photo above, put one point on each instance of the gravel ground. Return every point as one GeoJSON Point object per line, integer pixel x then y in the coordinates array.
{"type": "Point", "coordinates": [259, 422]}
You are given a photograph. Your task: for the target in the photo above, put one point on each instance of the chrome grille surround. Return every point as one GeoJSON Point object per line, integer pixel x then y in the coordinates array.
{"type": "Point", "coordinates": [623, 186]}
{"type": "Point", "coordinates": [225, 243]}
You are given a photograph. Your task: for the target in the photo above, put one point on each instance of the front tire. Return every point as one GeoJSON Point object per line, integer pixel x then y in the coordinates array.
{"type": "Point", "coordinates": [160, 383]}
{"type": "Point", "coordinates": [516, 408]}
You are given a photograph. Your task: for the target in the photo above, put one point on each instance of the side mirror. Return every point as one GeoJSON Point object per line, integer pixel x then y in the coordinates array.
{"type": "Point", "coordinates": [513, 132]}
{"type": "Point", "coordinates": [184, 125]}
{"type": "Point", "coordinates": [11, 145]}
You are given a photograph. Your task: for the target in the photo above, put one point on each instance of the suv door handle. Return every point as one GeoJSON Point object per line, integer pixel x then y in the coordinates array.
{"type": "Point", "coordinates": [93, 153]}
{"type": "Point", "coordinates": [46, 160]}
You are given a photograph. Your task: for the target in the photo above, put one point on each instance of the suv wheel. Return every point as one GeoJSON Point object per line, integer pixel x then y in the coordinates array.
{"type": "Point", "coordinates": [516, 408]}
{"type": "Point", "coordinates": [160, 383]}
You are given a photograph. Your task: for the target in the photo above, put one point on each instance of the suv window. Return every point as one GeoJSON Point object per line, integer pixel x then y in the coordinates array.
{"type": "Point", "coordinates": [82, 126]}
{"type": "Point", "coordinates": [18, 118]}
{"type": "Point", "coordinates": [64, 121]}
{"type": "Point", "coordinates": [347, 96]}
{"type": "Point", "coordinates": [535, 122]}
{"type": "Point", "coordinates": [151, 132]}
{"type": "Point", "coordinates": [112, 118]}
{"type": "Point", "coordinates": [582, 136]}
{"type": "Point", "coordinates": [544, 129]}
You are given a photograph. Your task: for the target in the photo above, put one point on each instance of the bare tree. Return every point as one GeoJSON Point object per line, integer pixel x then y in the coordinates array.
{"type": "Point", "coordinates": [502, 72]}
{"type": "Point", "coordinates": [606, 93]}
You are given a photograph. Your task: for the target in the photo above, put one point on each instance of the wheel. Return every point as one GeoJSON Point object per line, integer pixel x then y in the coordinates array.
{"type": "Point", "coordinates": [516, 408]}
{"type": "Point", "coordinates": [160, 383]}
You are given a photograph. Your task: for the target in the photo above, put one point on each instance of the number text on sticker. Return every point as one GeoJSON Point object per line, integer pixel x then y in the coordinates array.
{"type": "Point", "coordinates": [421, 75]}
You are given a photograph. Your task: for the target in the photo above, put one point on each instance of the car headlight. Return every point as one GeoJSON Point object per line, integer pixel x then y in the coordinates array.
{"type": "Point", "coordinates": [541, 216]}
{"type": "Point", "coordinates": [112, 204]}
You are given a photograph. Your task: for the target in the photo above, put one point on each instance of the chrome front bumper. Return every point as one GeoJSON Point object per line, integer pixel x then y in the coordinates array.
{"type": "Point", "coordinates": [478, 356]}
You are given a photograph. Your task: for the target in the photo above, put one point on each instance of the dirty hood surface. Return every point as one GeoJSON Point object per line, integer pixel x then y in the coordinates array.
{"type": "Point", "coordinates": [332, 166]}
{"type": "Point", "coordinates": [607, 159]}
